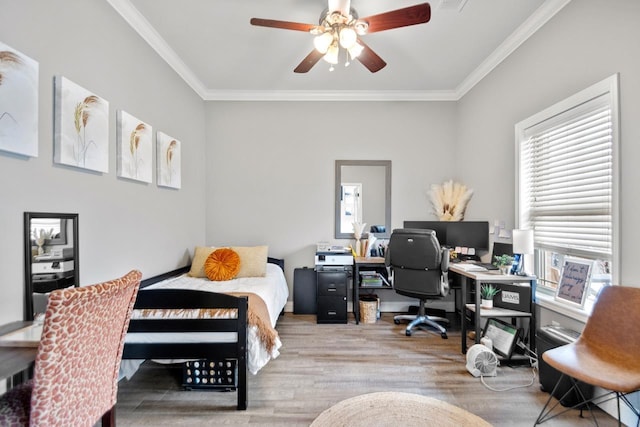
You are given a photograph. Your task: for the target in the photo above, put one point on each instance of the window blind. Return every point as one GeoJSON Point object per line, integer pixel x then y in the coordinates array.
{"type": "Point", "coordinates": [566, 194]}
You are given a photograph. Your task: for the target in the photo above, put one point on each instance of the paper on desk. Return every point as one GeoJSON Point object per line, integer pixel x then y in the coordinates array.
{"type": "Point", "coordinates": [470, 267]}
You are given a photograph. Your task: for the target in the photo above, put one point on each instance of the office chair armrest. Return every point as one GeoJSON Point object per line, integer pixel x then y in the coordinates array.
{"type": "Point", "coordinates": [444, 263]}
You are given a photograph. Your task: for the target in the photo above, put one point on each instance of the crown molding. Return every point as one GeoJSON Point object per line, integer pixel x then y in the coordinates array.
{"type": "Point", "coordinates": [326, 95]}
{"type": "Point", "coordinates": [140, 24]}
{"type": "Point", "coordinates": [540, 17]}
{"type": "Point", "coordinates": [149, 34]}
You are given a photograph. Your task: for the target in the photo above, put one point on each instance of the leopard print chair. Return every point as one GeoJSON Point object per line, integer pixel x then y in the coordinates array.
{"type": "Point", "coordinates": [75, 380]}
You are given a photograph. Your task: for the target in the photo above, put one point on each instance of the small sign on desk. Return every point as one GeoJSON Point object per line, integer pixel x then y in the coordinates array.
{"type": "Point", "coordinates": [25, 337]}
{"type": "Point", "coordinates": [514, 296]}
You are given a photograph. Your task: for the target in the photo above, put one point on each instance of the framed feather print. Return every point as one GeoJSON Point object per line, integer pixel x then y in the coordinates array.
{"type": "Point", "coordinates": [18, 102]}
{"type": "Point", "coordinates": [168, 161]}
{"type": "Point", "coordinates": [134, 147]}
{"type": "Point", "coordinates": [81, 127]}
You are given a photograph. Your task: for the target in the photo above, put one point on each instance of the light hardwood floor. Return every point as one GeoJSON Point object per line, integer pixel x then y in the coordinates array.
{"type": "Point", "coordinates": [321, 365]}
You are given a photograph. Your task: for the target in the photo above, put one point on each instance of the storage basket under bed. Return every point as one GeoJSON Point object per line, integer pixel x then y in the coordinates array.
{"type": "Point", "coordinates": [210, 374]}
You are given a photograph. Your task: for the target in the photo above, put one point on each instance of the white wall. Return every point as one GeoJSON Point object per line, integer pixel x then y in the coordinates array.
{"type": "Point", "coordinates": [123, 224]}
{"type": "Point", "coordinates": [270, 176]}
{"type": "Point", "coordinates": [584, 43]}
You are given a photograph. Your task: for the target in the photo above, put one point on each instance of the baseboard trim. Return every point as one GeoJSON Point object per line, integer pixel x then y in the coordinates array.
{"type": "Point", "coordinates": [394, 306]}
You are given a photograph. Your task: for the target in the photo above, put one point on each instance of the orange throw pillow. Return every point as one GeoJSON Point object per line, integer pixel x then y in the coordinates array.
{"type": "Point", "coordinates": [222, 264]}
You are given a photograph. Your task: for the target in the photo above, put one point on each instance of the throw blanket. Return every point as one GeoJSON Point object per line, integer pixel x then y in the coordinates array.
{"type": "Point", "coordinates": [257, 314]}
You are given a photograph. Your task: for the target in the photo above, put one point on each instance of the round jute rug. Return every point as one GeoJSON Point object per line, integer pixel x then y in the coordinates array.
{"type": "Point", "coordinates": [396, 409]}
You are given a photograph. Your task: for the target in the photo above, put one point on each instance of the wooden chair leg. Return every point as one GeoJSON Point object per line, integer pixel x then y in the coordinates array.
{"type": "Point", "coordinates": [109, 417]}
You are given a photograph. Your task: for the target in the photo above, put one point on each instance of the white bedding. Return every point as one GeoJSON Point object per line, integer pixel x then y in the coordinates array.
{"type": "Point", "coordinates": [272, 289]}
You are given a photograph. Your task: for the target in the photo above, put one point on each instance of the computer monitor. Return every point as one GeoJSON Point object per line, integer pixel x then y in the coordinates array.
{"type": "Point", "coordinates": [501, 248]}
{"type": "Point", "coordinates": [469, 234]}
{"type": "Point", "coordinates": [440, 227]}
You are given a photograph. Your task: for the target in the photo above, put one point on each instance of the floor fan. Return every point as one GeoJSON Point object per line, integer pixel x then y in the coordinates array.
{"type": "Point", "coordinates": [482, 361]}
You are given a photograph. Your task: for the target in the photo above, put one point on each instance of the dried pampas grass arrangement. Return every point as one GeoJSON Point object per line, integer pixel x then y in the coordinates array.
{"type": "Point", "coordinates": [450, 200]}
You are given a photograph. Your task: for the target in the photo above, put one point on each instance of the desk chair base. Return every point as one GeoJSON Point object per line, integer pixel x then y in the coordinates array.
{"type": "Point", "coordinates": [549, 411]}
{"type": "Point", "coordinates": [422, 319]}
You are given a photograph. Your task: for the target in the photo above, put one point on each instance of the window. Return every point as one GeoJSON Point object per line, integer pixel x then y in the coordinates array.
{"type": "Point", "coordinates": [567, 184]}
{"type": "Point", "coordinates": [350, 206]}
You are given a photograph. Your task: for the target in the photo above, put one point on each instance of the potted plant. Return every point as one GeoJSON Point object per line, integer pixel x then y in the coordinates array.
{"type": "Point", "coordinates": [503, 262]}
{"type": "Point", "coordinates": [487, 292]}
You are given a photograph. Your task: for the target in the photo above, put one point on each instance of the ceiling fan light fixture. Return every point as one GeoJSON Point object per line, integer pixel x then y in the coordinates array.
{"type": "Point", "coordinates": [348, 37]}
{"type": "Point", "coordinates": [355, 50]}
{"type": "Point", "coordinates": [317, 30]}
{"type": "Point", "coordinates": [322, 42]}
{"type": "Point", "coordinates": [361, 28]}
{"type": "Point", "coordinates": [332, 54]}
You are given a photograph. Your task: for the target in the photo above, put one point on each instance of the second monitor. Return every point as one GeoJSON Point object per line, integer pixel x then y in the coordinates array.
{"type": "Point", "coordinates": [468, 234]}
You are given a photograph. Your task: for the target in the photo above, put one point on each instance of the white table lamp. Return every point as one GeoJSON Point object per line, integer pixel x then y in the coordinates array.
{"type": "Point", "coordinates": [522, 245]}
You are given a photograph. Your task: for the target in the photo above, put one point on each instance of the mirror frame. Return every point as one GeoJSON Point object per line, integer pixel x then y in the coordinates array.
{"type": "Point", "coordinates": [28, 255]}
{"type": "Point", "coordinates": [387, 196]}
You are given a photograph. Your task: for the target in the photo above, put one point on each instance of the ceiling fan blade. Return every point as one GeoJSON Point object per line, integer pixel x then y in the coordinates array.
{"type": "Point", "coordinates": [285, 25]}
{"type": "Point", "coordinates": [308, 62]}
{"type": "Point", "coordinates": [418, 14]}
{"type": "Point", "coordinates": [370, 59]}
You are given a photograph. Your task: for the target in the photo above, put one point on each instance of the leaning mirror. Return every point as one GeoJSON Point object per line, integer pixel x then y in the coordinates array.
{"type": "Point", "coordinates": [51, 258]}
{"type": "Point", "coordinates": [363, 195]}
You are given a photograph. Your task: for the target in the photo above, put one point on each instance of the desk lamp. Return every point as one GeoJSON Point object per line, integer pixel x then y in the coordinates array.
{"type": "Point", "coordinates": [522, 245]}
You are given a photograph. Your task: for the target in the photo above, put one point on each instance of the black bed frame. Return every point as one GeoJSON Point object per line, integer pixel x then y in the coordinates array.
{"type": "Point", "coordinates": [180, 298]}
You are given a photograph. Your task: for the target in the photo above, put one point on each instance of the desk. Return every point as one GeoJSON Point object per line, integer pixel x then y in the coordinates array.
{"type": "Point", "coordinates": [364, 263]}
{"type": "Point", "coordinates": [15, 361]}
{"type": "Point", "coordinates": [480, 277]}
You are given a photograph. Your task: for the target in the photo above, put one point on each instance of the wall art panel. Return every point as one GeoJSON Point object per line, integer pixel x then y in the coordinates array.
{"type": "Point", "coordinates": [168, 160]}
{"type": "Point", "coordinates": [18, 102]}
{"type": "Point", "coordinates": [81, 127]}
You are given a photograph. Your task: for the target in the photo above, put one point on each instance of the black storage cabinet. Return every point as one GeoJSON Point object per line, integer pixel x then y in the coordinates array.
{"type": "Point", "coordinates": [304, 291]}
{"type": "Point", "coordinates": [332, 296]}
{"type": "Point", "coordinates": [549, 376]}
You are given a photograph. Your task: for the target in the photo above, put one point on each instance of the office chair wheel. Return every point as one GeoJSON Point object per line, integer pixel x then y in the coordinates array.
{"type": "Point", "coordinates": [396, 321]}
{"type": "Point", "coordinates": [444, 335]}
{"type": "Point", "coordinates": [407, 333]}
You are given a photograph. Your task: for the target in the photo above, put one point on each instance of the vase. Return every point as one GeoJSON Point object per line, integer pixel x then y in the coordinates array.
{"type": "Point", "coordinates": [486, 303]}
{"type": "Point", "coordinates": [504, 269]}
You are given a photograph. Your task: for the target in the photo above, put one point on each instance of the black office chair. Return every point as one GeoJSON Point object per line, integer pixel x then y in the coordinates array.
{"type": "Point", "coordinates": [419, 268]}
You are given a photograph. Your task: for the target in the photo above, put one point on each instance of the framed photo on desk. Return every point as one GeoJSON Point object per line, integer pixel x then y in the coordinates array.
{"type": "Point", "coordinates": [574, 281]}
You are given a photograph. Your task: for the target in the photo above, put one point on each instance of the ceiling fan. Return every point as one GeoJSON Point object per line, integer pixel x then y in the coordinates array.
{"type": "Point", "coordinates": [340, 27]}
